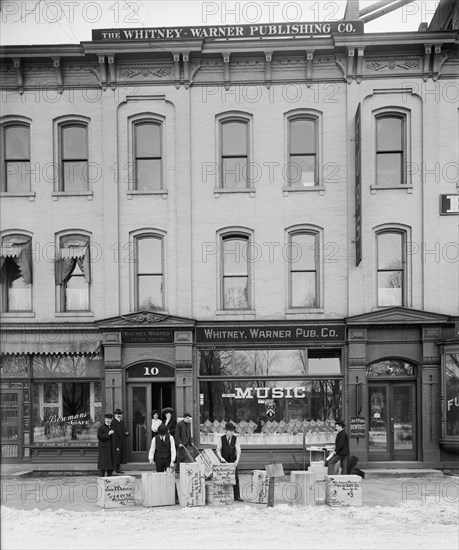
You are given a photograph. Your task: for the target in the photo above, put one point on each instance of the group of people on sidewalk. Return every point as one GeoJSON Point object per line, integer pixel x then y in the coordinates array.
{"type": "Point", "coordinates": [171, 444]}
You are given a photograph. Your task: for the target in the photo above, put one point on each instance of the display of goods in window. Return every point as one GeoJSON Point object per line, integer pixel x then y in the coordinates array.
{"type": "Point", "coordinates": [191, 486]}
{"type": "Point", "coordinates": [116, 491]}
{"type": "Point", "coordinates": [158, 489]}
{"type": "Point", "coordinates": [343, 490]}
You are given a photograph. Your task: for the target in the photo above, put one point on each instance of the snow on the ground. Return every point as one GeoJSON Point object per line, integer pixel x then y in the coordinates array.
{"type": "Point", "coordinates": [412, 525]}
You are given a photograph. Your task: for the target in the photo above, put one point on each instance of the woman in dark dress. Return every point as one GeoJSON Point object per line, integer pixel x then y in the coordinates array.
{"type": "Point", "coordinates": [169, 420]}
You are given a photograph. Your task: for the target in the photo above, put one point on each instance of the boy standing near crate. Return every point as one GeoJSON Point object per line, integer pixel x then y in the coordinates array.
{"type": "Point", "coordinates": [162, 450]}
{"type": "Point", "coordinates": [229, 450]}
{"type": "Point", "coordinates": [183, 438]}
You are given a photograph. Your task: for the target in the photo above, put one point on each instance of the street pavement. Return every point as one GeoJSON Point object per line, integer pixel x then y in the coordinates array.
{"type": "Point", "coordinates": [79, 493]}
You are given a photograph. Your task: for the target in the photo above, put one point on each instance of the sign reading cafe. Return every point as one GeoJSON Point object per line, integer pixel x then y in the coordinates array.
{"type": "Point", "coordinates": [231, 31]}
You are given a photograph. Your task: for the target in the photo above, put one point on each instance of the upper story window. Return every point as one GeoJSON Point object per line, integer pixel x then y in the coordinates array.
{"type": "Point", "coordinates": [391, 272]}
{"type": "Point", "coordinates": [147, 156]}
{"type": "Point", "coordinates": [304, 269]}
{"type": "Point", "coordinates": [72, 147]}
{"type": "Point", "coordinates": [73, 273]}
{"type": "Point", "coordinates": [149, 272]}
{"type": "Point", "coordinates": [235, 272]}
{"type": "Point", "coordinates": [16, 273]}
{"type": "Point", "coordinates": [302, 144]}
{"type": "Point", "coordinates": [234, 135]}
{"type": "Point", "coordinates": [390, 149]}
{"type": "Point", "coordinates": [15, 151]}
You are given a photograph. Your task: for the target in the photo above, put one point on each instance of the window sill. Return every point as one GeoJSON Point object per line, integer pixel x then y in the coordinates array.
{"type": "Point", "coordinates": [221, 191]}
{"type": "Point", "coordinates": [407, 188]}
{"type": "Point", "coordinates": [304, 311]}
{"type": "Point", "coordinates": [74, 314]}
{"type": "Point", "coordinates": [19, 314]}
{"type": "Point", "coordinates": [305, 189]}
{"type": "Point", "coordinates": [133, 192]}
{"type": "Point", "coordinates": [237, 312]}
{"type": "Point", "coordinates": [57, 194]}
{"type": "Point", "coordinates": [30, 195]}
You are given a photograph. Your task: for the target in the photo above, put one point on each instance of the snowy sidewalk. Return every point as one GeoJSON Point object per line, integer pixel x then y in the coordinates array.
{"type": "Point", "coordinates": [57, 513]}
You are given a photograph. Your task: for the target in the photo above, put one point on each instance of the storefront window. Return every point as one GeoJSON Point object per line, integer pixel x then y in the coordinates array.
{"type": "Point", "coordinates": [452, 394]}
{"type": "Point", "coordinates": [14, 366]}
{"type": "Point", "coordinates": [270, 408]}
{"type": "Point", "coordinates": [66, 412]}
{"type": "Point", "coordinates": [270, 362]}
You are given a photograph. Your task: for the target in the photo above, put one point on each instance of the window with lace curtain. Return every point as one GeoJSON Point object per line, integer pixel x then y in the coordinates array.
{"type": "Point", "coordinates": [73, 273]}
{"type": "Point", "coordinates": [16, 273]}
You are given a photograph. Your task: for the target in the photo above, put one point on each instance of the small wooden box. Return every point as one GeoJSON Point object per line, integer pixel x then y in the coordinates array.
{"type": "Point", "coordinates": [218, 494]}
{"type": "Point", "coordinates": [259, 487]}
{"type": "Point", "coordinates": [209, 459]}
{"type": "Point", "coordinates": [343, 491]}
{"type": "Point", "coordinates": [158, 489]}
{"type": "Point", "coordinates": [191, 486]}
{"type": "Point", "coordinates": [319, 470]}
{"type": "Point", "coordinates": [116, 491]}
{"type": "Point", "coordinates": [224, 473]}
{"type": "Point", "coordinates": [305, 487]}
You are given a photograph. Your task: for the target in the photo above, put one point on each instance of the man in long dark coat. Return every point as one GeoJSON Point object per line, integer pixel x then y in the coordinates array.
{"type": "Point", "coordinates": [341, 452]}
{"type": "Point", "coordinates": [107, 447]}
{"type": "Point", "coordinates": [183, 438]}
{"type": "Point", "coordinates": [121, 442]}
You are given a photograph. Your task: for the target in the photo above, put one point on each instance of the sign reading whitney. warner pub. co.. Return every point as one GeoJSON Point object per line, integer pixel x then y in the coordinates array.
{"type": "Point", "coordinates": [268, 30]}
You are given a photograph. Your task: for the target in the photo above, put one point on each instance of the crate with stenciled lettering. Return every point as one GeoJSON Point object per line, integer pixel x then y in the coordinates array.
{"type": "Point", "coordinates": [191, 487]}
{"type": "Point", "coordinates": [116, 491]}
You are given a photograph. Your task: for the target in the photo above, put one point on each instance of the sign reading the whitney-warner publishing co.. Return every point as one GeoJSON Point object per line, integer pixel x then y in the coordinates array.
{"type": "Point", "coordinates": [269, 334]}
{"type": "Point", "coordinates": [265, 30]}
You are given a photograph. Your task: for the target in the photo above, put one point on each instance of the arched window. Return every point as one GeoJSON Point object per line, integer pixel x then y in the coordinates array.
{"type": "Point", "coordinates": [73, 156]}
{"type": "Point", "coordinates": [302, 151]}
{"type": "Point", "coordinates": [235, 271]}
{"type": "Point", "coordinates": [147, 143]}
{"type": "Point", "coordinates": [304, 268]}
{"type": "Point", "coordinates": [15, 154]}
{"type": "Point", "coordinates": [391, 368]}
{"type": "Point", "coordinates": [390, 149]}
{"type": "Point", "coordinates": [73, 272]}
{"type": "Point", "coordinates": [149, 272]}
{"type": "Point", "coordinates": [391, 268]}
{"type": "Point", "coordinates": [234, 151]}
{"type": "Point", "coordinates": [16, 273]}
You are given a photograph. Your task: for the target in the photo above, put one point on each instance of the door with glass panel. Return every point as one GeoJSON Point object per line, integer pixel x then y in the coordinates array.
{"type": "Point", "coordinates": [142, 400]}
{"type": "Point", "coordinates": [11, 423]}
{"type": "Point", "coordinates": [392, 421]}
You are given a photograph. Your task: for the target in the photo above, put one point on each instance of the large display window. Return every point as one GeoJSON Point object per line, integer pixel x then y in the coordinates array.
{"type": "Point", "coordinates": [452, 394]}
{"type": "Point", "coordinates": [67, 408]}
{"type": "Point", "coordinates": [278, 397]}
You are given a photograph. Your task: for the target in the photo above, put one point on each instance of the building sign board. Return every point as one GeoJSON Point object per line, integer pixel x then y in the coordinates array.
{"type": "Point", "coordinates": [357, 426]}
{"type": "Point", "coordinates": [303, 29]}
{"type": "Point", "coordinates": [150, 370]}
{"type": "Point", "coordinates": [449, 205]}
{"type": "Point", "coordinates": [148, 336]}
{"type": "Point", "coordinates": [358, 189]}
{"type": "Point", "coordinates": [268, 334]}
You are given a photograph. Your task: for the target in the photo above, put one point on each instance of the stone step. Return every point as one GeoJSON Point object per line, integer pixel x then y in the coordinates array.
{"type": "Point", "coordinates": [401, 472]}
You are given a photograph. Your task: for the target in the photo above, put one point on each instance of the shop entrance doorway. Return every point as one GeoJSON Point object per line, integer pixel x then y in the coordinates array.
{"type": "Point", "coordinates": [392, 414]}
{"type": "Point", "coordinates": [142, 399]}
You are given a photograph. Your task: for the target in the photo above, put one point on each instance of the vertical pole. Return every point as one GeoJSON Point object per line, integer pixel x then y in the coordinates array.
{"type": "Point", "coordinates": [271, 484]}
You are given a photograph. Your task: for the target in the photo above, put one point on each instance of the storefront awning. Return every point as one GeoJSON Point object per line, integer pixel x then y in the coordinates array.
{"type": "Point", "coordinates": [50, 348]}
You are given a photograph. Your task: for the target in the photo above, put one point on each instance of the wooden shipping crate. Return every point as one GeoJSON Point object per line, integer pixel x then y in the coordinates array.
{"type": "Point", "coordinates": [319, 470]}
{"type": "Point", "coordinates": [158, 489]}
{"type": "Point", "coordinates": [259, 487]}
{"type": "Point", "coordinates": [116, 491]}
{"type": "Point", "coordinates": [224, 473]}
{"type": "Point", "coordinates": [191, 486]}
{"type": "Point", "coordinates": [343, 490]}
{"type": "Point", "coordinates": [305, 487]}
{"type": "Point", "coordinates": [209, 459]}
{"type": "Point", "coordinates": [219, 493]}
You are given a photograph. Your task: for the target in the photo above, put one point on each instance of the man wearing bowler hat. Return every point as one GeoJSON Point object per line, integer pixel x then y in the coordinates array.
{"type": "Point", "coordinates": [107, 446]}
{"type": "Point", "coordinates": [121, 443]}
{"type": "Point", "coordinates": [341, 451]}
{"type": "Point", "coordinates": [229, 450]}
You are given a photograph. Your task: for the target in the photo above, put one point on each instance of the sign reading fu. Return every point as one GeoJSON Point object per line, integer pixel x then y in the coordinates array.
{"type": "Point", "coordinates": [231, 31]}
